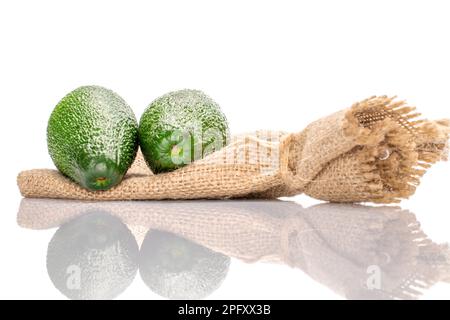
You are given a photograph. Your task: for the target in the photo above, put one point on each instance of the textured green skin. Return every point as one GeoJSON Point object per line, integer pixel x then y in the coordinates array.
{"type": "Point", "coordinates": [186, 118]}
{"type": "Point", "coordinates": [93, 134]}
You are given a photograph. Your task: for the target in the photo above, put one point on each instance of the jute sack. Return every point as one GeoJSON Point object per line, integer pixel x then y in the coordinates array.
{"type": "Point", "coordinates": [357, 251]}
{"type": "Point", "coordinates": [374, 151]}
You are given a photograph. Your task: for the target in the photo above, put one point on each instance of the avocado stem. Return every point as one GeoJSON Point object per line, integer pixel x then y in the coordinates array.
{"type": "Point", "coordinates": [101, 182]}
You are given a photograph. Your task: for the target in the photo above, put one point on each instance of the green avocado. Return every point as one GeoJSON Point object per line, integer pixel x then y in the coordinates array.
{"type": "Point", "coordinates": [181, 127]}
{"type": "Point", "coordinates": [92, 137]}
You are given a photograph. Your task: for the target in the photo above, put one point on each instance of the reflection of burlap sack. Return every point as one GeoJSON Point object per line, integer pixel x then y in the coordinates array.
{"type": "Point", "coordinates": [372, 252]}
{"type": "Point", "coordinates": [370, 152]}
{"type": "Point", "coordinates": [223, 223]}
{"type": "Point", "coordinates": [337, 245]}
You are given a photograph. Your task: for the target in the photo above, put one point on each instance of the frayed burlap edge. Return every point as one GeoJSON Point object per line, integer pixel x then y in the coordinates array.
{"type": "Point", "coordinates": [392, 151]}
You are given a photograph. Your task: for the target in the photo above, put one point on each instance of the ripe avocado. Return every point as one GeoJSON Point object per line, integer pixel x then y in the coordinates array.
{"type": "Point", "coordinates": [92, 137]}
{"type": "Point", "coordinates": [181, 127]}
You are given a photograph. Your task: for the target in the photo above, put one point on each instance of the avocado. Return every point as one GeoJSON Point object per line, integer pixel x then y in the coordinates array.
{"type": "Point", "coordinates": [181, 127]}
{"type": "Point", "coordinates": [92, 137]}
{"type": "Point", "coordinates": [177, 268]}
{"type": "Point", "coordinates": [94, 256]}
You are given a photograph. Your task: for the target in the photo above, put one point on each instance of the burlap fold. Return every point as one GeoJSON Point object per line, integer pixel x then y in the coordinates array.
{"type": "Point", "coordinates": [357, 251]}
{"type": "Point", "coordinates": [374, 151]}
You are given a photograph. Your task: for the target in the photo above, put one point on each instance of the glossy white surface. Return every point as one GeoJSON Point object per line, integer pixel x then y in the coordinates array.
{"type": "Point", "coordinates": [332, 249]}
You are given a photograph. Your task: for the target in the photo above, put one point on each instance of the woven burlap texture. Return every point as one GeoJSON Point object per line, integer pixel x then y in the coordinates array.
{"type": "Point", "coordinates": [335, 244]}
{"type": "Point", "coordinates": [374, 151]}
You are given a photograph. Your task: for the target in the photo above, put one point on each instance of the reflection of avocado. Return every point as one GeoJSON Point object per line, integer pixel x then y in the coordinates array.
{"type": "Point", "coordinates": [178, 268]}
{"type": "Point", "coordinates": [92, 257]}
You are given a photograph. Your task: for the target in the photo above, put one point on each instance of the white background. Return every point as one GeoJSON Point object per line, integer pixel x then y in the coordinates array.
{"type": "Point", "coordinates": [269, 64]}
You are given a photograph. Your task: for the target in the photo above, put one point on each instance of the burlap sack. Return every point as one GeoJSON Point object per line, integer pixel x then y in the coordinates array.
{"type": "Point", "coordinates": [337, 245]}
{"type": "Point", "coordinates": [374, 151]}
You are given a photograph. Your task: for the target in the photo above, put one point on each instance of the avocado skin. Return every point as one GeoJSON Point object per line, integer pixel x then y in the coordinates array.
{"type": "Point", "coordinates": [178, 268]}
{"type": "Point", "coordinates": [92, 137]}
{"type": "Point", "coordinates": [187, 118]}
